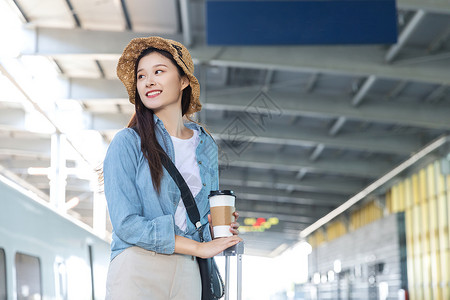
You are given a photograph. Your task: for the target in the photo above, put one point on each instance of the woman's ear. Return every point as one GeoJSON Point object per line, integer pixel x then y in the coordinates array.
{"type": "Point", "coordinates": [184, 82]}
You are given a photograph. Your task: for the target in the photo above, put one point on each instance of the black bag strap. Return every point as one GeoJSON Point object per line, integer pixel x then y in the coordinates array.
{"type": "Point", "coordinates": [186, 194]}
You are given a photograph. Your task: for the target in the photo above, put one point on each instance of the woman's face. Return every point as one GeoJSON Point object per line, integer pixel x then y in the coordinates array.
{"type": "Point", "coordinates": [159, 84]}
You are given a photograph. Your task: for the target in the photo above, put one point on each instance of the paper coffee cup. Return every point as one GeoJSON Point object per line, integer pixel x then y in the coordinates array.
{"type": "Point", "coordinates": [222, 209]}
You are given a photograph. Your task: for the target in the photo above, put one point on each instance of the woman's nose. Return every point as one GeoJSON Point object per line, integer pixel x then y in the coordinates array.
{"type": "Point", "coordinates": [150, 81]}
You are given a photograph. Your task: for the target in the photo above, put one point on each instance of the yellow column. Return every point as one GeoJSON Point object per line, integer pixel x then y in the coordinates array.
{"type": "Point", "coordinates": [417, 240]}
{"type": "Point", "coordinates": [401, 196]}
{"type": "Point", "coordinates": [394, 198]}
{"type": "Point", "coordinates": [433, 233]}
{"type": "Point", "coordinates": [443, 241]}
{"type": "Point", "coordinates": [425, 236]}
{"type": "Point", "coordinates": [410, 239]}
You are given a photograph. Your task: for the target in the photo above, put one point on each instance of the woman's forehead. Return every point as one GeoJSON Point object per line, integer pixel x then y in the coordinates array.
{"type": "Point", "coordinates": [153, 59]}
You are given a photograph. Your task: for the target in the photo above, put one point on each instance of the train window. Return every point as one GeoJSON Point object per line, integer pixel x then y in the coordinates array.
{"type": "Point", "coordinates": [28, 277]}
{"type": "Point", "coordinates": [2, 274]}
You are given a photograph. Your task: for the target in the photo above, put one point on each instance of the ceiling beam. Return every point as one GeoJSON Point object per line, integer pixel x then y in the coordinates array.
{"type": "Point", "coordinates": [20, 11]}
{"type": "Point", "coordinates": [350, 167]}
{"type": "Point", "coordinates": [74, 13]}
{"type": "Point", "coordinates": [278, 134]}
{"type": "Point", "coordinates": [282, 135]}
{"type": "Point", "coordinates": [81, 42]}
{"type": "Point", "coordinates": [73, 183]}
{"type": "Point", "coordinates": [397, 90]}
{"type": "Point", "coordinates": [317, 152]}
{"type": "Point", "coordinates": [350, 60]}
{"type": "Point", "coordinates": [308, 213]}
{"type": "Point", "coordinates": [437, 94]}
{"type": "Point", "coordinates": [278, 196]}
{"type": "Point", "coordinates": [347, 60]}
{"type": "Point", "coordinates": [35, 145]}
{"type": "Point", "coordinates": [337, 126]}
{"type": "Point", "coordinates": [435, 6]}
{"type": "Point", "coordinates": [363, 90]}
{"type": "Point", "coordinates": [20, 163]}
{"type": "Point", "coordinates": [415, 114]}
{"type": "Point", "coordinates": [335, 185]}
{"type": "Point", "coordinates": [312, 82]}
{"type": "Point", "coordinates": [126, 15]}
{"type": "Point", "coordinates": [24, 153]}
{"type": "Point", "coordinates": [409, 29]}
{"type": "Point", "coordinates": [12, 117]}
{"type": "Point", "coordinates": [108, 122]}
{"type": "Point", "coordinates": [439, 42]}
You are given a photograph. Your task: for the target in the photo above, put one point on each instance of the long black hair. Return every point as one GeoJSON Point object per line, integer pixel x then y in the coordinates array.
{"type": "Point", "coordinates": [143, 121]}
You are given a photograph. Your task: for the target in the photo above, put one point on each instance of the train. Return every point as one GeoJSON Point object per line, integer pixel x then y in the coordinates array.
{"type": "Point", "coordinates": [46, 255]}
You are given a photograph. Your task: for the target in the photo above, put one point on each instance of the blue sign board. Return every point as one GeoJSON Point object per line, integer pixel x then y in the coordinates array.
{"type": "Point", "coordinates": [307, 22]}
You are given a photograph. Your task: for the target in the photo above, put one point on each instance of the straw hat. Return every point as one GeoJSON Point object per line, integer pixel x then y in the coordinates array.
{"type": "Point", "coordinates": [126, 66]}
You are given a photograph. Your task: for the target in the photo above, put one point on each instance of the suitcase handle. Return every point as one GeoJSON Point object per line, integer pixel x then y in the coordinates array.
{"type": "Point", "coordinates": [236, 250]}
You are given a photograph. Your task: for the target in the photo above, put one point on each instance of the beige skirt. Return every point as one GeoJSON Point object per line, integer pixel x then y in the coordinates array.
{"type": "Point", "coordinates": [137, 274]}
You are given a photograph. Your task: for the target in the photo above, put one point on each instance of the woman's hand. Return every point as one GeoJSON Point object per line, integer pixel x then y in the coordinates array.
{"type": "Point", "coordinates": [214, 247]}
{"type": "Point", "coordinates": [234, 226]}
{"type": "Point", "coordinates": [210, 227]}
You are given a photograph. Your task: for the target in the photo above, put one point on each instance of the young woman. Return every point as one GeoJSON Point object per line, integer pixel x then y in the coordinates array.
{"type": "Point", "coordinates": [154, 244]}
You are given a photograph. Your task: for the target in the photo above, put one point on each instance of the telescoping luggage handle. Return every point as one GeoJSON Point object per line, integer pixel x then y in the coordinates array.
{"type": "Point", "coordinates": [236, 250]}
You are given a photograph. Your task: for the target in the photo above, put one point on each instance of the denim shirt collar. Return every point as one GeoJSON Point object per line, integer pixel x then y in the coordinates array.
{"type": "Point", "coordinates": [189, 124]}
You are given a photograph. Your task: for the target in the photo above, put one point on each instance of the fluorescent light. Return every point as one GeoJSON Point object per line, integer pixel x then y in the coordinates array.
{"type": "Point", "coordinates": [337, 266]}
{"type": "Point", "coordinates": [316, 278]}
{"type": "Point", "coordinates": [330, 276]}
{"type": "Point", "coordinates": [38, 171]}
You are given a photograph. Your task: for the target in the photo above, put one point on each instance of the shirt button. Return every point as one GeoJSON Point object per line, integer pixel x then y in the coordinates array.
{"type": "Point", "coordinates": [199, 162]}
{"type": "Point", "coordinates": [201, 142]}
{"type": "Point", "coordinates": [204, 184]}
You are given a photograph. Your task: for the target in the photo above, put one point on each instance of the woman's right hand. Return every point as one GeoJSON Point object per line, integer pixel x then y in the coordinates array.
{"type": "Point", "coordinates": [214, 247]}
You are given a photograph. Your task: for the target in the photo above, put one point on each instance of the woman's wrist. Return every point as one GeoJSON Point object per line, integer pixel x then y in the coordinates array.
{"type": "Point", "coordinates": [183, 245]}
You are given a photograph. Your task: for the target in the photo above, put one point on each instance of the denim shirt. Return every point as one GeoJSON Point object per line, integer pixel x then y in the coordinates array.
{"type": "Point", "coordinates": [139, 215]}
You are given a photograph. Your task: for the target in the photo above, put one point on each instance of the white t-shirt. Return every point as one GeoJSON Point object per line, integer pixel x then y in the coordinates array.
{"type": "Point", "coordinates": [186, 163]}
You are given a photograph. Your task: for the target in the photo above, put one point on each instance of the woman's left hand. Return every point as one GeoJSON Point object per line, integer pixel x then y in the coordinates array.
{"type": "Point", "coordinates": [234, 226]}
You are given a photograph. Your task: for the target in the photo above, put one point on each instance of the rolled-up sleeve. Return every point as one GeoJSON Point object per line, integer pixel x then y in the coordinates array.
{"type": "Point", "coordinates": [124, 204]}
{"type": "Point", "coordinates": [215, 167]}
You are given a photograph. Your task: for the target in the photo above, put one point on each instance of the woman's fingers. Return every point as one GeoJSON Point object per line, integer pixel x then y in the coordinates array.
{"type": "Point", "coordinates": [236, 215]}
{"type": "Point", "coordinates": [216, 246]}
{"type": "Point", "coordinates": [210, 227]}
{"type": "Point", "coordinates": [234, 228]}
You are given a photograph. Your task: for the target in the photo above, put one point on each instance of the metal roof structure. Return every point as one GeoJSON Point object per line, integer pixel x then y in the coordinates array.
{"type": "Point", "coordinates": [301, 128]}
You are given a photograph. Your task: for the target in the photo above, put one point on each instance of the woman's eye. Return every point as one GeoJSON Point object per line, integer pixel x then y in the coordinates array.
{"type": "Point", "coordinates": [158, 71]}
{"type": "Point", "coordinates": [140, 76]}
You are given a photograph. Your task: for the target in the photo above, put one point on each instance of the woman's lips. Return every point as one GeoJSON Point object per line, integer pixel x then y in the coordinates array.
{"type": "Point", "coordinates": [153, 93]}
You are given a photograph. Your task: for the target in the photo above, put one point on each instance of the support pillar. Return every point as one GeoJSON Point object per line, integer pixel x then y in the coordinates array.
{"type": "Point", "coordinates": [58, 172]}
